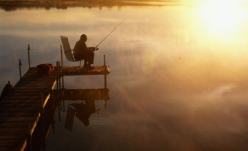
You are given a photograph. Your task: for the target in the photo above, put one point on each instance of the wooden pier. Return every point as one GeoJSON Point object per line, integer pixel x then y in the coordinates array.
{"type": "Point", "coordinates": [21, 110]}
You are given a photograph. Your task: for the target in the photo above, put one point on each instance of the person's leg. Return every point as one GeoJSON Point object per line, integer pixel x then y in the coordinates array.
{"type": "Point", "coordinates": [89, 59]}
{"type": "Point", "coordinates": [91, 56]}
{"type": "Point", "coordinates": [81, 57]}
{"type": "Point", "coordinates": [85, 63]}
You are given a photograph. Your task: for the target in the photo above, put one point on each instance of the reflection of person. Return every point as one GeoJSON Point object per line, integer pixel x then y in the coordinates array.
{"type": "Point", "coordinates": [82, 52]}
{"type": "Point", "coordinates": [83, 111]}
{"type": "Point", "coordinates": [6, 90]}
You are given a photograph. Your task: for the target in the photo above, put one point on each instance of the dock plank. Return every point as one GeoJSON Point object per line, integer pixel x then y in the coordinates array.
{"type": "Point", "coordinates": [79, 70]}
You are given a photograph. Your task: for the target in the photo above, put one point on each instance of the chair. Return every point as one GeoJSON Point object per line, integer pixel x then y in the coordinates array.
{"type": "Point", "coordinates": [67, 50]}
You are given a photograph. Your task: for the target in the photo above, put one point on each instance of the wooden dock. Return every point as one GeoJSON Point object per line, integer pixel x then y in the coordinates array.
{"type": "Point", "coordinates": [79, 70]}
{"type": "Point", "coordinates": [21, 110]}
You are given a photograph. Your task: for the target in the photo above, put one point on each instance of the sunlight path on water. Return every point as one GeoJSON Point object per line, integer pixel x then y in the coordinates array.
{"type": "Point", "coordinates": [178, 79]}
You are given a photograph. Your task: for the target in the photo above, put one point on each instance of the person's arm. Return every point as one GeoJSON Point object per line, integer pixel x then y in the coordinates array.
{"type": "Point", "coordinates": [92, 49]}
{"type": "Point", "coordinates": [85, 48]}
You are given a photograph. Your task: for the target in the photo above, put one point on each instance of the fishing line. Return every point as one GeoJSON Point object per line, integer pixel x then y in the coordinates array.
{"type": "Point", "coordinates": [96, 47]}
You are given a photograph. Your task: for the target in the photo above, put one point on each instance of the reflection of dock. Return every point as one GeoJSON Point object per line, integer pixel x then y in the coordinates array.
{"type": "Point", "coordinates": [21, 110]}
{"type": "Point", "coordinates": [83, 94]}
{"type": "Point", "coordinates": [82, 103]}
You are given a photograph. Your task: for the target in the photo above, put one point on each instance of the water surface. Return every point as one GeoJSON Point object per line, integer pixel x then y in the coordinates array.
{"type": "Point", "coordinates": [178, 76]}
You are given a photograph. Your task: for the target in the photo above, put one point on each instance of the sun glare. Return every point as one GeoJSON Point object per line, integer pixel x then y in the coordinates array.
{"type": "Point", "coordinates": [222, 16]}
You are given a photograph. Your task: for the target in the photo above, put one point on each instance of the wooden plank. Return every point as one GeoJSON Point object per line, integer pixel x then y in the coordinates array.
{"type": "Point", "coordinates": [13, 144]}
{"type": "Point", "coordinates": [16, 146]}
{"type": "Point", "coordinates": [19, 114]}
{"type": "Point", "coordinates": [9, 124]}
{"type": "Point", "coordinates": [17, 119]}
{"type": "Point", "coordinates": [9, 142]}
{"type": "Point", "coordinates": [15, 131]}
{"type": "Point", "coordinates": [20, 103]}
{"type": "Point", "coordinates": [74, 70]}
{"type": "Point", "coordinates": [27, 109]}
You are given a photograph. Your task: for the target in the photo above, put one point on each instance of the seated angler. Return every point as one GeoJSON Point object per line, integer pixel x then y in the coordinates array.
{"type": "Point", "coordinates": [82, 52]}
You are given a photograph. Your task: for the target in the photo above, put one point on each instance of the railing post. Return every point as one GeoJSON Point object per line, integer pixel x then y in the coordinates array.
{"type": "Point", "coordinates": [57, 69]}
{"type": "Point", "coordinates": [63, 85]}
{"type": "Point", "coordinates": [20, 68]}
{"type": "Point", "coordinates": [61, 50]}
{"type": "Point", "coordinates": [59, 104]}
{"type": "Point", "coordinates": [29, 56]}
{"type": "Point", "coordinates": [105, 73]}
{"type": "Point", "coordinates": [59, 76]}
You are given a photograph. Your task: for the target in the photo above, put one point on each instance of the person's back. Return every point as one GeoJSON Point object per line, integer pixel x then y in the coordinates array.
{"type": "Point", "coordinates": [82, 52]}
{"type": "Point", "coordinates": [79, 50]}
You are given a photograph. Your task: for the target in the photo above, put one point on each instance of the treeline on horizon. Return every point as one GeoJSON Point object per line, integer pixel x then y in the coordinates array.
{"type": "Point", "coordinates": [12, 5]}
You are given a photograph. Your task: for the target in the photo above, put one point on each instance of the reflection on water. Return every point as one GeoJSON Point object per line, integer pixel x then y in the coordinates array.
{"type": "Point", "coordinates": [83, 110]}
{"type": "Point", "coordinates": [80, 103]}
{"type": "Point", "coordinates": [177, 82]}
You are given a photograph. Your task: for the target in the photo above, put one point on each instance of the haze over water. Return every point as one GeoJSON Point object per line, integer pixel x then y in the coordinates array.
{"type": "Point", "coordinates": [178, 76]}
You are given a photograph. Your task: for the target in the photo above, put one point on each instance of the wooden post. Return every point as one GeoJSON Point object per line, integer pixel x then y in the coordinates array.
{"type": "Point", "coordinates": [59, 77]}
{"type": "Point", "coordinates": [62, 96]}
{"type": "Point", "coordinates": [57, 68]}
{"type": "Point", "coordinates": [29, 56]}
{"type": "Point", "coordinates": [105, 74]}
{"type": "Point", "coordinates": [20, 68]}
{"type": "Point", "coordinates": [61, 50]}
{"type": "Point", "coordinates": [59, 104]}
{"type": "Point", "coordinates": [63, 85]}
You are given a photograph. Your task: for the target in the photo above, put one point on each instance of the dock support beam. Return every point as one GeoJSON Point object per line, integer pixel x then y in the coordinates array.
{"type": "Point", "coordinates": [105, 75]}
{"type": "Point", "coordinates": [58, 78]}
{"type": "Point", "coordinates": [20, 68]}
{"type": "Point", "coordinates": [29, 56]}
{"type": "Point", "coordinates": [61, 51]}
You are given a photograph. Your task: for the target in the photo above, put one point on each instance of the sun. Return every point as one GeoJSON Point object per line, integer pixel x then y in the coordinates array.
{"type": "Point", "coordinates": [222, 16]}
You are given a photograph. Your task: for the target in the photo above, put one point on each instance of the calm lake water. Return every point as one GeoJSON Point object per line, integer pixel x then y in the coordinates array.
{"type": "Point", "coordinates": [178, 81]}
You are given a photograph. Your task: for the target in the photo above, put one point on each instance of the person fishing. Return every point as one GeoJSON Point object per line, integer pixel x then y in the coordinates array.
{"type": "Point", "coordinates": [82, 52]}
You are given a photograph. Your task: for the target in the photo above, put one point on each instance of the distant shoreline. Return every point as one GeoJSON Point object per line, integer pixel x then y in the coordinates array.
{"type": "Point", "coordinates": [12, 5]}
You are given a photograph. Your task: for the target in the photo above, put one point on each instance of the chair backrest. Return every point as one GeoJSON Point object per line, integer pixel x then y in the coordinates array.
{"type": "Point", "coordinates": [67, 48]}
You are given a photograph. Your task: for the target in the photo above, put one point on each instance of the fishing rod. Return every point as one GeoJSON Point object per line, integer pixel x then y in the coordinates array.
{"type": "Point", "coordinates": [96, 47]}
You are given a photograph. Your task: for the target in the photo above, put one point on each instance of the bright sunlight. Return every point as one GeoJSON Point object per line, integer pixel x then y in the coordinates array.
{"type": "Point", "coordinates": [222, 16]}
